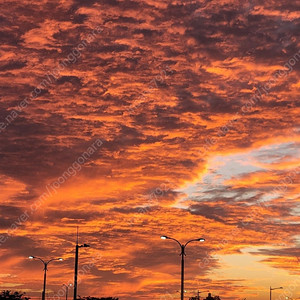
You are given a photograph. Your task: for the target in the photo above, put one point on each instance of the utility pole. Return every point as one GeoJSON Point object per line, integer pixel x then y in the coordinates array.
{"type": "Point", "coordinates": [76, 268]}
{"type": "Point", "coordinates": [76, 265]}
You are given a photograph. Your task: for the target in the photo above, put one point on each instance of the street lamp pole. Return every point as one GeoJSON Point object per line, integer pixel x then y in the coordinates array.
{"type": "Point", "coordinates": [44, 286]}
{"type": "Point", "coordinates": [182, 270]}
{"type": "Point", "coordinates": [67, 289]}
{"type": "Point", "coordinates": [272, 289]}
{"type": "Point", "coordinates": [76, 266]}
{"type": "Point", "coordinates": [75, 272]}
{"type": "Point", "coordinates": [182, 247]}
{"type": "Point", "coordinates": [45, 271]}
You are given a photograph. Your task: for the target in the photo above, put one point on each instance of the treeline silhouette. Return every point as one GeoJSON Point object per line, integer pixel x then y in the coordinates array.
{"type": "Point", "coordinates": [9, 295]}
{"type": "Point", "coordinates": [96, 298]}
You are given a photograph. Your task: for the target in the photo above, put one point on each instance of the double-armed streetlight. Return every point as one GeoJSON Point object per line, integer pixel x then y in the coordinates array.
{"type": "Point", "coordinates": [45, 271]}
{"type": "Point", "coordinates": [272, 289]}
{"type": "Point", "coordinates": [182, 247]}
{"type": "Point", "coordinates": [67, 289]}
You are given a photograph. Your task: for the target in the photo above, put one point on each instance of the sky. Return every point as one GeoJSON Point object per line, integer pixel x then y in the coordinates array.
{"type": "Point", "coordinates": [133, 119]}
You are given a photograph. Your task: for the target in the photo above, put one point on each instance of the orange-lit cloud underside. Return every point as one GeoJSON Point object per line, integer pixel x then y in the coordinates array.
{"type": "Point", "coordinates": [133, 119]}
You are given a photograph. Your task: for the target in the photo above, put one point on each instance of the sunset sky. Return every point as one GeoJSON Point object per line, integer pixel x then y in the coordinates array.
{"type": "Point", "coordinates": [134, 119]}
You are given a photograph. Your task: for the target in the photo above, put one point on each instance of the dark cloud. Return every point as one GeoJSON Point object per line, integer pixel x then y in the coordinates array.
{"type": "Point", "coordinates": [12, 65]}
{"type": "Point", "coordinates": [288, 252]}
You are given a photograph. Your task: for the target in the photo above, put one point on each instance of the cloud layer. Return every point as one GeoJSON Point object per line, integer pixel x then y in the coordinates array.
{"type": "Point", "coordinates": [196, 107]}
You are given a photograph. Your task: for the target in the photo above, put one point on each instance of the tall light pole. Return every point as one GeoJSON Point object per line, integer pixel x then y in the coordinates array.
{"type": "Point", "coordinates": [45, 271]}
{"type": "Point", "coordinates": [76, 265]}
{"type": "Point", "coordinates": [67, 289]}
{"type": "Point", "coordinates": [272, 289]}
{"type": "Point", "coordinates": [182, 247]}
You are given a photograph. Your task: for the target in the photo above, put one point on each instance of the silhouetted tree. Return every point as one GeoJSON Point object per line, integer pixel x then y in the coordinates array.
{"type": "Point", "coordinates": [8, 295]}
{"type": "Point", "coordinates": [209, 297]}
{"type": "Point", "coordinates": [96, 298]}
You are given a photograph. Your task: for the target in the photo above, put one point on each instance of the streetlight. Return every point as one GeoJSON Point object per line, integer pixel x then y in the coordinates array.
{"type": "Point", "coordinates": [76, 266]}
{"type": "Point", "coordinates": [67, 288]}
{"type": "Point", "coordinates": [45, 271]}
{"type": "Point", "coordinates": [272, 289]}
{"type": "Point", "coordinates": [182, 247]}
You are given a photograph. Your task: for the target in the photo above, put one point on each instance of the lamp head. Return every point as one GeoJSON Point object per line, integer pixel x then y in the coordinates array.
{"type": "Point", "coordinates": [67, 285]}
{"type": "Point", "coordinates": [60, 259]}
{"type": "Point", "coordinates": [163, 237]}
{"type": "Point", "coordinates": [201, 240]}
{"type": "Point", "coordinates": [31, 257]}
{"type": "Point", "coordinates": [83, 246]}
